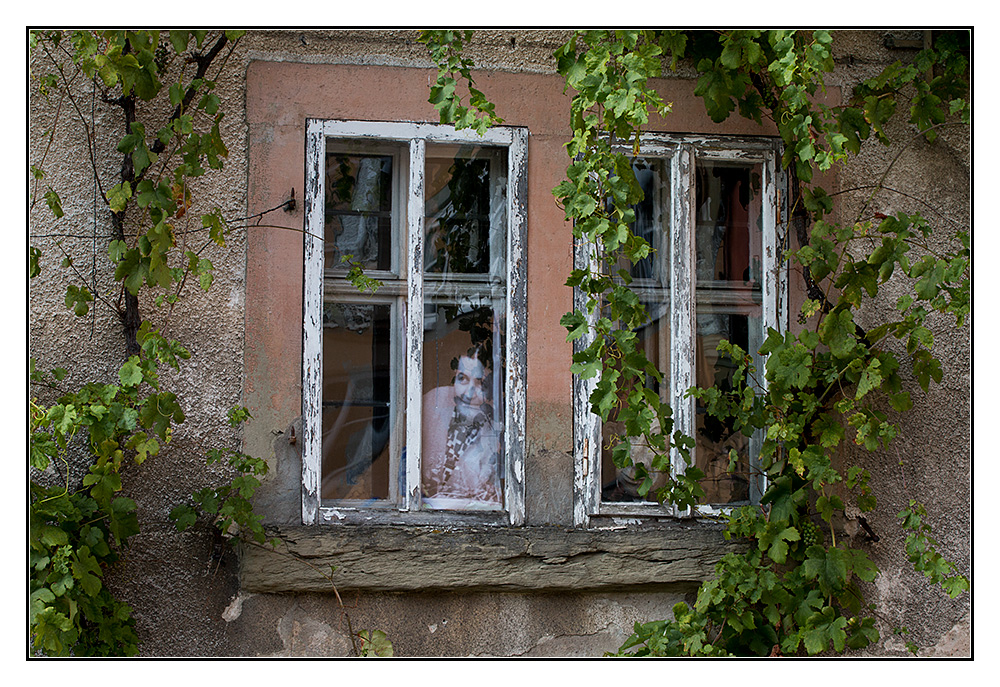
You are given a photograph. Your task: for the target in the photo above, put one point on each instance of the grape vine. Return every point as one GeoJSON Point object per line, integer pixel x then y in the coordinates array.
{"type": "Point", "coordinates": [795, 589]}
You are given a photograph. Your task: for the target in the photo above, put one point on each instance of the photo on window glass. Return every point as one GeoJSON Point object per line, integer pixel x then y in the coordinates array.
{"type": "Point", "coordinates": [462, 410]}
{"type": "Point", "coordinates": [464, 275]}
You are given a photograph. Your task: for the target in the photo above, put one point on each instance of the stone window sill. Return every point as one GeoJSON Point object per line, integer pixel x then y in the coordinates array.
{"type": "Point", "coordinates": [406, 559]}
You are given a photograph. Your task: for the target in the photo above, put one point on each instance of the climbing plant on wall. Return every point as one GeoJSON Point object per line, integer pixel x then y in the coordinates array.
{"type": "Point", "coordinates": [794, 586]}
{"type": "Point", "coordinates": [793, 589]}
{"type": "Point", "coordinates": [145, 106]}
{"type": "Point", "coordinates": [151, 243]}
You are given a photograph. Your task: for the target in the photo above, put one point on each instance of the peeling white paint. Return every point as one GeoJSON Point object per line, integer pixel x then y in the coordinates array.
{"type": "Point", "coordinates": [414, 323]}
{"type": "Point", "coordinates": [408, 306]}
{"type": "Point", "coordinates": [312, 315]}
{"type": "Point", "coordinates": [682, 305]}
{"type": "Point", "coordinates": [682, 154]}
{"type": "Point", "coordinates": [516, 315]}
{"type": "Point", "coordinates": [586, 427]}
{"type": "Point", "coordinates": [612, 524]}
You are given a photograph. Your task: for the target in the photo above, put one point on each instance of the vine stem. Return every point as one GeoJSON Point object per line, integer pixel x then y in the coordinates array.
{"type": "Point", "coordinates": [833, 532]}
{"type": "Point", "coordinates": [82, 118]}
{"type": "Point", "coordinates": [65, 462]}
{"type": "Point", "coordinates": [877, 187]}
{"type": "Point", "coordinates": [903, 149]}
{"type": "Point", "coordinates": [48, 147]}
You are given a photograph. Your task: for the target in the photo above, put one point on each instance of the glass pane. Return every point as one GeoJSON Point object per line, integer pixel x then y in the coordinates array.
{"type": "Point", "coordinates": [621, 485]}
{"type": "Point", "coordinates": [728, 298]}
{"type": "Point", "coordinates": [357, 407]}
{"type": "Point", "coordinates": [652, 221]}
{"type": "Point", "coordinates": [463, 376]}
{"type": "Point", "coordinates": [463, 380]}
{"type": "Point", "coordinates": [358, 212]}
{"type": "Point", "coordinates": [465, 210]}
{"type": "Point", "coordinates": [651, 279]}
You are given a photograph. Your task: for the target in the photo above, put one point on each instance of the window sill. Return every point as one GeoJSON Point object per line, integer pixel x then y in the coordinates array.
{"type": "Point", "coordinates": [405, 559]}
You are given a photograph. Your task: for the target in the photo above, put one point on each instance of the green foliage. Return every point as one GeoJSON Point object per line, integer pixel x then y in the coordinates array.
{"type": "Point", "coordinates": [75, 533]}
{"type": "Point", "coordinates": [779, 74]}
{"type": "Point", "coordinates": [356, 275]}
{"type": "Point", "coordinates": [165, 158]}
{"type": "Point", "coordinates": [796, 588]}
{"type": "Point", "coordinates": [374, 644]}
{"type": "Point", "coordinates": [921, 551]}
{"type": "Point", "coordinates": [79, 529]}
{"type": "Point", "coordinates": [609, 72]}
{"type": "Point", "coordinates": [55, 205]}
{"type": "Point", "coordinates": [73, 538]}
{"type": "Point", "coordinates": [446, 51]}
{"type": "Point", "coordinates": [910, 646]}
{"type": "Point", "coordinates": [231, 504]}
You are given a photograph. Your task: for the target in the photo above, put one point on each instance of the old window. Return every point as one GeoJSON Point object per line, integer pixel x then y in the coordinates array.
{"type": "Point", "coordinates": [710, 212]}
{"type": "Point", "coordinates": [413, 396]}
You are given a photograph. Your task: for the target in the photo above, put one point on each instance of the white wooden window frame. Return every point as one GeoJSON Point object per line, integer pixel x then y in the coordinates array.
{"type": "Point", "coordinates": [408, 289]}
{"type": "Point", "coordinates": [680, 154]}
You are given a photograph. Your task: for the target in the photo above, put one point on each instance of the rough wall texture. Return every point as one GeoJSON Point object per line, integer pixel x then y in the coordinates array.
{"type": "Point", "coordinates": [931, 460]}
{"type": "Point", "coordinates": [185, 588]}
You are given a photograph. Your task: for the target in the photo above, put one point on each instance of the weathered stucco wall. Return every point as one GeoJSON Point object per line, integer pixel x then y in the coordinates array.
{"type": "Point", "coordinates": [931, 459]}
{"type": "Point", "coordinates": [245, 339]}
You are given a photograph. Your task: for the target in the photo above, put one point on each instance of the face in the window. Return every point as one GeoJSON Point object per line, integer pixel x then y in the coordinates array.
{"type": "Point", "coordinates": [469, 396]}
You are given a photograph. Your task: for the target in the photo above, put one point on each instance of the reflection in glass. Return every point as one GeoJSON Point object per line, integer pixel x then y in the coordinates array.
{"type": "Point", "coordinates": [357, 409]}
{"type": "Point", "coordinates": [358, 211]}
{"type": "Point", "coordinates": [651, 223]}
{"type": "Point", "coordinates": [463, 370]}
{"type": "Point", "coordinates": [728, 298]}
{"type": "Point", "coordinates": [651, 279]}
{"type": "Point", "coordinates": [464, 207]}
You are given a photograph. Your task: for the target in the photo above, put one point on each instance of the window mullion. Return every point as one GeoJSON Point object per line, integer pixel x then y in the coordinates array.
{"type": "Point", "coordinates": [770, 247]}
{"type": "Point", "coordinates": [516, 326]}
{"type": "Point", "coordinates": [312, 330]}
{"type": "Point", "coordinates": [414, 324]}
{"type": "Point", "coordinates": [773, 296]}
{"type": "Point", "coordinates": [682, 300]}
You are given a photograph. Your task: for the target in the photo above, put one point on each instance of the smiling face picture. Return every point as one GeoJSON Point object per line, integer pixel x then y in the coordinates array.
{"type": "Point", "coordinates": [469, 395]}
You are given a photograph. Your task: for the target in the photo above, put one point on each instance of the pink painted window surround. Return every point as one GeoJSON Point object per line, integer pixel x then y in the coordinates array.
{"type": "Point", "coordinates": [551, 447]}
